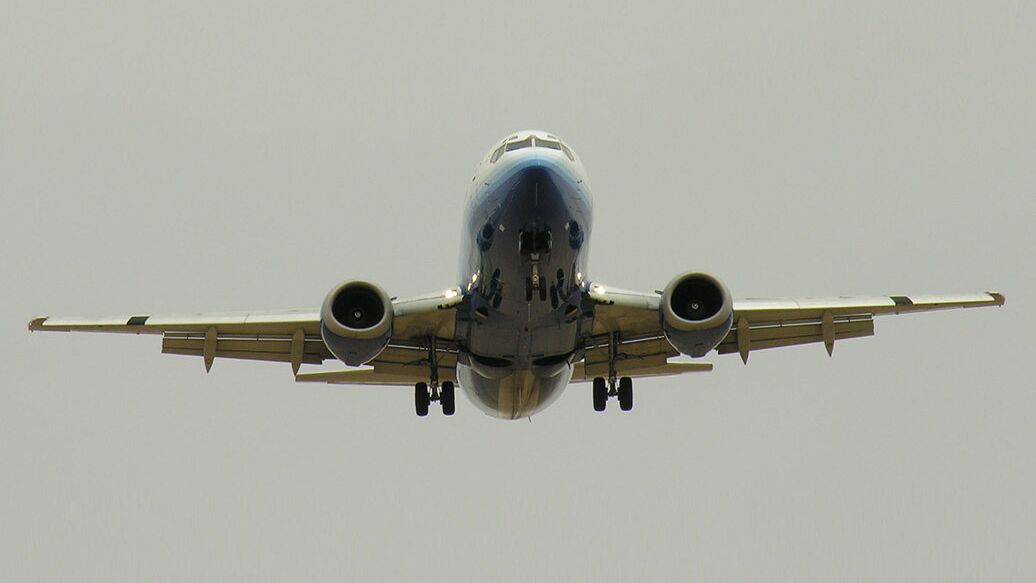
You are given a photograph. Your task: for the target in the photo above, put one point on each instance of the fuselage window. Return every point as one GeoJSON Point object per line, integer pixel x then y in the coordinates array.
{"type": "Point", "coordinates": [548, 144]}
{"type": "Point", "coordinates": [496, 154]}
{"type": "Point", "coordinates": [526, 143]}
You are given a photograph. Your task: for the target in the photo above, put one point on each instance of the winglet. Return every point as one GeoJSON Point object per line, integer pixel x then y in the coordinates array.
{"type": "Point", "coordinates": [998, 298]}
{"type": "Point", "coordinates": [37, 323]}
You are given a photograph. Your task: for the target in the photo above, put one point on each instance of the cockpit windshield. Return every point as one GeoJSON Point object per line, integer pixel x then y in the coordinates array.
{"type": "Point", "coordinates": [526, 143]}
{"type": "Point", "coordinates": [532, 142]}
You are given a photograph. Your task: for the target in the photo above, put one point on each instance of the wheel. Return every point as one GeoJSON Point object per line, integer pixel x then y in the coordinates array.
{"type": "Point", "coordinates": [625, 393]}
{"type": "Point", "coordinates": [600, 394]}
{"type": "Point", "coordinates": [447, 398]}
{"type": "Point", "coordinates": [528, 289]}
{"type": "Point", "coordinates": [421, 399]}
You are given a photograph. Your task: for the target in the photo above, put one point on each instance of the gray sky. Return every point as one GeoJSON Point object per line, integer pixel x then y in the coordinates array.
{"type": "Point", "coordinates": [232, 156]}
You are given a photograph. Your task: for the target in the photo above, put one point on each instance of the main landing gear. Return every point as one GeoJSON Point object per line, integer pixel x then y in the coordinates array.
{"type": "Point", "coordinates": [612, 387]}
{"type": "Point", "coordinates": [445, 393]}
{"type": "Point", "coordinates": [623, 389]}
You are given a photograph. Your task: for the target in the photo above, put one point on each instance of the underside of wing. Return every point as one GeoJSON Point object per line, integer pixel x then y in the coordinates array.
{"type": "Point", "coordinates": [291, 336]}
{"type": "Point", "coordinates": [627, 324]}
{"type": "Point", "coordinates": [773, 323]}
{"type": "Point", "coordinates": [396, 365]}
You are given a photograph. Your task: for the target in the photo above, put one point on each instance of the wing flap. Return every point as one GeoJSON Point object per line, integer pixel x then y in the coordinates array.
{"type": "Point", "coordinates": [646, 368]}
{"type": "Point", "coordinates": [379, 374]}
{"type": "Point", "coordinates": [266, 348]}
{"type": "Point", "coordinates": [791, 334]}
{"type": "Point", "coordinates": [631, 356]}
{"type": "Point", "coordinates": [362, 376]}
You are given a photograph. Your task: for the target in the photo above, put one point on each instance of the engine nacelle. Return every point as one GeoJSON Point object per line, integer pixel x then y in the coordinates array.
{"type": "Point", "coordinates": [696, 313]}
{"type": "Point", "coordinates": [356, 321]}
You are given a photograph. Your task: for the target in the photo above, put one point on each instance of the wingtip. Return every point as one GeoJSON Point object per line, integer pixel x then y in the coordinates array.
{"type": "Point", "coordinates": [37, 323]}
{"type": "Point", "coordinates": [998, 297]}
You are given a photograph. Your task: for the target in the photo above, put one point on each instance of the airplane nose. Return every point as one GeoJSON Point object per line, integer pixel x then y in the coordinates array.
{"type": "Point", "coordinates": [537, 184]}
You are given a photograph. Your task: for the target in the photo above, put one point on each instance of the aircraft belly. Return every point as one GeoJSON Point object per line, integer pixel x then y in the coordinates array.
{"type": "Point", "coordinates": [519, 394]}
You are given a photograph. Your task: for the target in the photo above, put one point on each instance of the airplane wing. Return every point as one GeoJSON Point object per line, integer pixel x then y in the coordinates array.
{"type": "Point", "coordinates": [628, 322]}
{"type": "Point", "coordinates": [292, 336]}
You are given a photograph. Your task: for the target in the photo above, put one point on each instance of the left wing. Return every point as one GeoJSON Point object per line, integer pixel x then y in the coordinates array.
{"type": "Point", "coordinates": [633, 318]}
{"type": "Point", "coordinates": [291, 336]}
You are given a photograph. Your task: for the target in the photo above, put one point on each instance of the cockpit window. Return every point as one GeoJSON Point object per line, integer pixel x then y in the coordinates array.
{"type": "Point", "coordinates": [527, 142]}
{"type": "Point", "coordinates": [496, 155]}
{"type": "Point", "coordinates": [549, 142]}
{"type": "Point", "coordinates": [568, 152]}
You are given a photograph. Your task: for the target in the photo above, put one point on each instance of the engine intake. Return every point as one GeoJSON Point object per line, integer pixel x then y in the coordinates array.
{"type": "Point", "coordinates": [696, 313]}
{"type": "Point", "coordinates": [356, 321]}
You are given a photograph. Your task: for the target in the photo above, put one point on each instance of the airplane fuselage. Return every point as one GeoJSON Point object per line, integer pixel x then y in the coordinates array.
{"type": "Point", "coordinates": [525, 243]}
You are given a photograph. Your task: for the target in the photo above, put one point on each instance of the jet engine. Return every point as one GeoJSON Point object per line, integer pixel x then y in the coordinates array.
{"type": "Point", "coordinates": [696, 313]}
{"type": "Point", "coordinates": [356, 321]}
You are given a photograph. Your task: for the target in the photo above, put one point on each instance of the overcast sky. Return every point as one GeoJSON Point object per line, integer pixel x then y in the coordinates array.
{"type": "Point", "coordinates": [229, 156]}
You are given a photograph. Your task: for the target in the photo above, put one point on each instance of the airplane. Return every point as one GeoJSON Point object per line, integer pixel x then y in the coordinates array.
{"type": "Point", "coordinates": [524, 318]}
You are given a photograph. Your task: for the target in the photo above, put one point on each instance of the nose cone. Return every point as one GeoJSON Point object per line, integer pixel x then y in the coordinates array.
{"type": "Point", "coordinates": [541, 177]}
{"type": "Point", "coordinates": [537, 176]}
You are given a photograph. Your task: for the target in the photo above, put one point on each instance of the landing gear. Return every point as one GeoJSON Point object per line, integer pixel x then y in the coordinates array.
{"type": "Point", "coordinates": [422, 398]}
{"type": "Point", "coordinates": [603, 389]}
{"type": "Point", "coordinates": [613, 387]}
{"type": "Point", "coordinates": [446, 395]}
{"type": "Point", "coordinates": [626, 394]}
{"type": "Point", "coordinates": [447, 398]}
{"type": "Point", "coordinates": [425, 393]}
{"type": "Point", "coordinates": [600, 394]}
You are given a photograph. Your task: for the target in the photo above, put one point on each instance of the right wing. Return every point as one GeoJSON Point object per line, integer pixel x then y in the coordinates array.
{"type": "Point", "coordinates": [627, 322]}
{"type": "Point", "coordinates": [774, 323]}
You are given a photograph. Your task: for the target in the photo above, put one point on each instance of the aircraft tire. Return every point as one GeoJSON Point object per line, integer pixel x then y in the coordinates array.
{"type": "Point", "coordinates": [421, 399]}
{"type": "Point", "coordinates": [448, 398]}
{"type": "Point", "coordinates": [600, 394]}
{"type": "Point", "coordinates": [626, 393]}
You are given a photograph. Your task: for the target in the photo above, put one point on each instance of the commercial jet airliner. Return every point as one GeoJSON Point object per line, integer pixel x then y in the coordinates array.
{"type": "Point", "coordinates": [524, 318]}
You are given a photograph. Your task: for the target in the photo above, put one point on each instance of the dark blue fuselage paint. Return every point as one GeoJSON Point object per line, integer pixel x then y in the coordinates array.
{"type": "Point", "coordinates": [525, 244]}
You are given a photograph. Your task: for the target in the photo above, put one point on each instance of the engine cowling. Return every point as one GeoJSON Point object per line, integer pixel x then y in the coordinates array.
{"type": "Point", "coordinates": [696, 313]}
{"type": "Point", "coordinates": [356, 321]}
